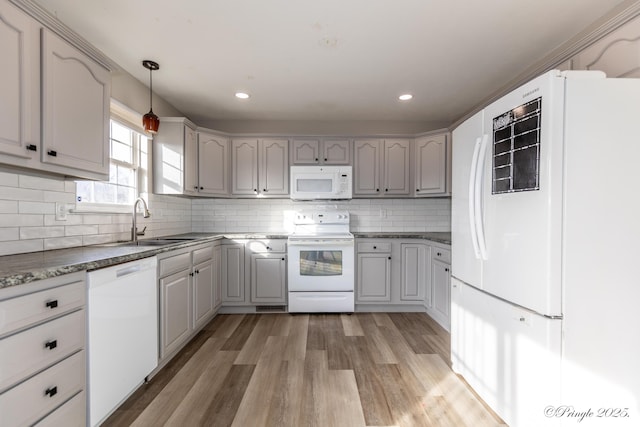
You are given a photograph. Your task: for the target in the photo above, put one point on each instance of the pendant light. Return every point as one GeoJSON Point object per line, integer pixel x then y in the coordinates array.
{"type": "Point", "coordinates": [150, 121]}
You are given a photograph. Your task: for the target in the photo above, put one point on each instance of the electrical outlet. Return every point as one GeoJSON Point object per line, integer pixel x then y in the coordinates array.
{"type": "Point", "coordinates": [61, 211]}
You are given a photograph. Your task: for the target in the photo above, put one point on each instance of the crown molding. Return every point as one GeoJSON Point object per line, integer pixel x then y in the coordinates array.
{"type": "Point", "coordinates": [613, 20]}
{"type": "Point", "coordinates": [54, 24]}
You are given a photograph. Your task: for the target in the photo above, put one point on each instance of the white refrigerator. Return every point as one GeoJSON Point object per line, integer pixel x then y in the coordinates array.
{"type": "Point", "coordinates": [545, 282]}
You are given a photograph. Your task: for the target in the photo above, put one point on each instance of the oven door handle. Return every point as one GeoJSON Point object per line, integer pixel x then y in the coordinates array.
{"type": "Point", "coordinates": [328, 242]}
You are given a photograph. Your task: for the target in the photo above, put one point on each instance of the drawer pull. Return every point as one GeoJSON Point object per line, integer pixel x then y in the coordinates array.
{"type": "Point", "coordinates": [51, 344]}
{"type": "Point", "coordinates": [52, 153]}
{"type": "Point", "coordinates": [389, 258]}
{"type": "Point", "coordinates": [51, 391]}
{"type": "Point", "coordinates": [439, 254]}
{"type": "Point", "coordinates": [32, 147]}
{"type": "Point", "coordinates": [375, 247]}
{"type": "Point", "coordinates": [52, 304]}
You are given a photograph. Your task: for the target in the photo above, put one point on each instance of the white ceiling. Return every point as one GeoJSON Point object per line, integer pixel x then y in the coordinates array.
{"type": "Point", "coordinates": [329, 59]}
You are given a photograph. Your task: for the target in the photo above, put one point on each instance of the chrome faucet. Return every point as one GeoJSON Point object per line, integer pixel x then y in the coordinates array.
{"type": "Point", "coordinates": [145, 214]}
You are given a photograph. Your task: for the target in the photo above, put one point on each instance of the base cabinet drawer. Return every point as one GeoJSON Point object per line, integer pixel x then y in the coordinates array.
{"type": "Point", "coordinates": [16, 313]}
{"type": "Point", "coordinates": [31, 400]}
{"type": "Point", "coordinates": [36, 348]}
{"type": "Point", "coordinates": [72, 414]}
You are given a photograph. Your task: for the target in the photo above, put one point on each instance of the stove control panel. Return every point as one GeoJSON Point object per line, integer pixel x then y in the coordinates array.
{"type": "Point", "coordinates": [322, 217]}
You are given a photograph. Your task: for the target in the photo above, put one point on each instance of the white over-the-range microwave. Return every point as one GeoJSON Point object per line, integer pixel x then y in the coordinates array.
{"type": "Point", "coordinates": [320, 182]}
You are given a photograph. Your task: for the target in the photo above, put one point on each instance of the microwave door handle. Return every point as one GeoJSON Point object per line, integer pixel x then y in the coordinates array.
{"type": "Point", "coordinates": [472, 205]}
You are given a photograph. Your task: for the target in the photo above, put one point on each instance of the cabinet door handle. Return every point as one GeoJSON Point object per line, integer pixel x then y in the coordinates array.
{"type": "Point", "coordinates": [52, 153]}
{"type": "Point", "coordinates": [51, 391]}
{"type": "Point", "coordinates": [417, 190]}
{"type": "Point", "coordinates": [325, 159]}
{"type": "Point", "coordinates": [316, 159]}
{"type": "Point", "coordinates": [255, 190]}
{"type": "Point", "coordinates": [386, 189]}
{"type": "Point", "coordinates": [446, 269]}
{"type": "Point", "coordinates": [195, 187]}
{"type": "Point", "coordinates": [52, 304]}
{"type": "Point", "coordinates": [389, 258]}
{"type": "Point", "coordinates": [268, 248]}
{"type": "Point", "coordinates": [439, 253]}
{"type": "Point", "coordinates": [375, 247]}
{"type": "Point", "coordinates": [264, 190]}
{"type": "Point", "coordinates": [32, 147]}
{"type": "Point", "coordinates": [377, 189]}
{"type": "Point", "coordinates": [201, 188]}
{"type": "Point", "coordinates": [283, 259]}
{"type": "Point", "coordinates": [191, 274]}
{"type": "Point", "coordinates": [51, 344]}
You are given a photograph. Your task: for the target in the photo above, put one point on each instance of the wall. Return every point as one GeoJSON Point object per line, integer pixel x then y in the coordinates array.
{"type": "Point", "coordinates": [270, 215]}
{"type": "Point", "coordinates": [28, 224]}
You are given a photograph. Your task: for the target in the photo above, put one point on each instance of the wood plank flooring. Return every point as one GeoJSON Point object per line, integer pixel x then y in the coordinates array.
{"type": "Point", "coordinates": [325, 370]}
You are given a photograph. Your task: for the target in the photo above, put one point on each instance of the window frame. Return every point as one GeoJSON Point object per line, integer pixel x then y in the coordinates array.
{"type": "Point", "coordinates": [124, 117]}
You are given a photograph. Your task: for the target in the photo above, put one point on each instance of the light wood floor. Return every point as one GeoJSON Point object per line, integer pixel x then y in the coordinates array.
{"type": "Point", "coordinates": [325, 370]}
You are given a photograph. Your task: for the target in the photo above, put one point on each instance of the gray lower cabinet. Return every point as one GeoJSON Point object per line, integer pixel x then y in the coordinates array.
{"type": "Point", "coordinates": [438, 302]}
{"type": "Point", "coordinates": [373, 272]}
{"type": "Point", "coordinates": [415, 271]}
{"type": "Point", "coordinates": [187, 283]}
{"type": "Point", "coordinates": [42, 352]}
{"type": "Point", "coordinates": [268, 278]}
{"type": "Point", "coordinates": [233, 291]}
{"type": "Point", "coordinates": [267, 270]}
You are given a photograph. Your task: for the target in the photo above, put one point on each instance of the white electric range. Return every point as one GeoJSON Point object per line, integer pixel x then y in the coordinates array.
{"type": "Point", "coordinates": [321, 267]}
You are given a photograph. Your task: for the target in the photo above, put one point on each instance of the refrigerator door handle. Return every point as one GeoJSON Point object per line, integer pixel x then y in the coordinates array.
{"type": "Point", "coordinates": [472, 203]}
{"type": "Point", "coordinates": [477, 199]}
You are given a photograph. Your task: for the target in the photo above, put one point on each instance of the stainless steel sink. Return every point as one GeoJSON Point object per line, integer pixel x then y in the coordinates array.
{"type": "Point", "coordinates": [149, 242]}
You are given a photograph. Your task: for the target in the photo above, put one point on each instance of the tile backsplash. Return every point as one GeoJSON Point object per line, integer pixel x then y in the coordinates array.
{"type": "Point", "coordinates": [28, 221]}
{"type": "Point", "coordinates": [28, 224]}
{"type": "Point", "coordinates": [271, 215]}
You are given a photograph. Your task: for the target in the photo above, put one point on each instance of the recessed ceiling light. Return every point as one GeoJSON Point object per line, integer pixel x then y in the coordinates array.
{"type": "Point", "coordinates": [405, 97]}
{"type": "Point", "coordinates": [242, 95]}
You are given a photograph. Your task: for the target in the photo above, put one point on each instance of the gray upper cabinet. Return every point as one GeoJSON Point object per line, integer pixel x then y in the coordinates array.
{"type": "Point", "coordinates": [18, 86]}
{"type": "Point", "coordinates": [55, 101]}
{"type": "Point", "coordinates": [76, 96]}
{"type": "Point", "coordinates": [213, 165]}
{"type": "Point", "coordinates": [617, 54]}
{"type": "Point", "coordinates": [175, 157]}
{"type": "Point", "coordinates": [431, 165]}
{"type": "Point", "coordinates": [260, 167]}
{"type": "Point", "coordinates": [320, 152]}
{"type": "Point", "coordinates": [382, 167]}
{"type": "Point", "coordinates": [188, 162]}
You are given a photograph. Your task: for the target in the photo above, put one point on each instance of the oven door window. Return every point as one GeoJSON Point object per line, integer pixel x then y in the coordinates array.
{"type": "Point", "coordinates": [321, 263]}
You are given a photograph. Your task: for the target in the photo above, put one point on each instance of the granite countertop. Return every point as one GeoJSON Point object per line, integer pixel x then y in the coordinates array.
{"type": "Point", "coordinates": [438, 237]}
{"type": "Point", "coordinates": [25, 268]}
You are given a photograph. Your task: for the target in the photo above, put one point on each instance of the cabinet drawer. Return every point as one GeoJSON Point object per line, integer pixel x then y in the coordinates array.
{"type": "Point", "coordinates": [71, 414]}
{"type": "Point", "coordinates": [374, 247]}
{"type": "Point", "coordinates": [174, 263]}
{"type": "Point", "coordinates": [22, 311]}
{"type": "Point", "coordinates": [262, 246]}
{"type": "Point", "coordinates": [202, 255]}
{"type": "Point", "coordinates": [36, 397]}
{"type": "Point", "coordinates": [440, 254]}
{"type": "Point", "coordinates": [32, 350]}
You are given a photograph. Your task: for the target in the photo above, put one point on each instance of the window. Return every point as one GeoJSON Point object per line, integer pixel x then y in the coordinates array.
{"type": "Point", "coordinates": [127, 172]}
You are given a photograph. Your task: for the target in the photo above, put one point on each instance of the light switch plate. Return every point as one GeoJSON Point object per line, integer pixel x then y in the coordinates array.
{"type": "Point", "coordinates": [61, 211]}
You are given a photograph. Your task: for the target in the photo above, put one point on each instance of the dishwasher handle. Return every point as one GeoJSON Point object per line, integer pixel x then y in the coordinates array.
{"type": "Point", "coordinates": [128, 270]}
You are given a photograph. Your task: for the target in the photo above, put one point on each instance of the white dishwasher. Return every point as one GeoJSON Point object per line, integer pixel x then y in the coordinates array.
{"type": "Point", "coordinates": [122, 334]}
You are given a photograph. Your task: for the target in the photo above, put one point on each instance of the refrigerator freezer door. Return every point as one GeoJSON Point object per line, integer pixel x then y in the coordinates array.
{"type": "Point", "coordinates": [600, 249]}
{"type": "Point", "coordinates": [510, 356]}
{"type": "Point", "coordinates": [522, 188]}
{"type": "Point", "coordinates": [466, 264]}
